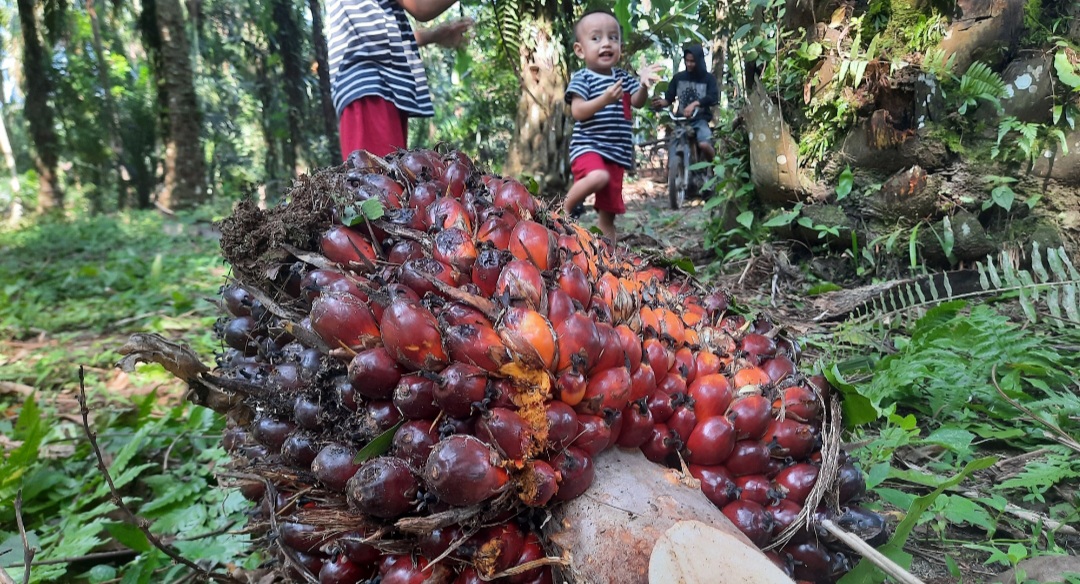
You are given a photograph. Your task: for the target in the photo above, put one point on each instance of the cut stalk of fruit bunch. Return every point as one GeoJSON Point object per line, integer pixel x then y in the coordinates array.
{"type": "Point", "coordinates": [482, 367]}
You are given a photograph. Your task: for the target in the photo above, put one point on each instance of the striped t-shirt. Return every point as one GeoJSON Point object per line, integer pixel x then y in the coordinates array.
{"type": "Point", "coordinates": [373, 51]}
{"type": "Point", "coordinates": [608, 132]}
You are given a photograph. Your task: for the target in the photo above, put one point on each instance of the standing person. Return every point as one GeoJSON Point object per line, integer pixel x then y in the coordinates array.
{"type": "Point", "coordinates": [600, 98]}
{"type": "Point", "coordinates": [377, 79]}
{"type": "Point", "coordinates": [696, 90]}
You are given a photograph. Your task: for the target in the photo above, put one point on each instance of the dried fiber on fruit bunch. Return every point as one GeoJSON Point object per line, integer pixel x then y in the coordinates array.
{"type": "Point", "coordinates": [414, 383]}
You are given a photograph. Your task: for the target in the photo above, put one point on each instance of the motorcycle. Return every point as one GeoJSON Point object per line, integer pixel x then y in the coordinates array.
{"type": "Point", "coordinates": [683, 181]}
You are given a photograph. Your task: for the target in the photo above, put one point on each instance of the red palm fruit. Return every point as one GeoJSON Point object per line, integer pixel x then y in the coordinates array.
{"type": "Point", "coordinates": [851, 484]}
{"type": "Point", "coordinates": [456, 248]}
{"type": "Point", "coordinates": [611, 352]}
{"type": "Point", "coordinates": [563, 425]}
{"type": "Point", "coordinates": [576, 470]}
{"type": "Point", "coordinates": [811, 560]}
{"type": "Point", "coordinates": [606, 390]}
{"type": "Point", "coordinates": [661, 405]}
{"type": "Point", "coordinates": [784, 512]}
{"type": "Point", "coordinates": [672, 384]}
{"type": "Point", "coordinates": [423, 195]}
{"type": "Point", "coordinates": [507, 431]}
{"type": "Point", "coordinates": [435, 542]}
{"type": "Point", "coordinates": [413, 441]}
{"type": "Point", "coordinates": [374, 373]}
{"type": "Point", "coordinates": [496, 230]}
{"type": "Point", "coordinates": [637, 425]}
{"type": "Point", "coordinates": [462, 386]}
{"type": "Point", "coordinates": [751, 519]}
{"type": "Point", "coordinates": [446, 212]}
{"type": "Point", "coordinates": [378, 305]}
{"type": "Point", "coordinates": [671, 327]}
{"type": "Point", "coordinates": [570, 386]}
{"type": "Point", "coordinates": [416, 273]}
{"type": "Point", "coordinates": [711, 442]}
{"type": "Point", "coordinates": [272, 433]}
{"type": "Point", "coordinates": [314, 282]}
{"type": "Point", "coordinates": [411, 335]}
{"type": "Point", "coordinates": [299, 450]}
{"type": "Point", "coordinates": [382, 414]}
{"type": "Point", "coordinates": [631, 343]}
{"type": "Point", "coordinates": [414, 396]}
{"type": "Point", "coordinates": [574, 253]}
{"type": "Point", "coordinates": [778, 368]}
{"type": "Point", "coordinates": [594, 436]}
{"type": "Point", "coordinates": [462, 470]}
{"type": "Point", "coordinates": [355, 549]}
{"type": "Point", "coordinates": [615, 421]}
{"type": "Point", "coordinates": [642, 382]}
{"type": "Point", "coordinates": [749, 375]}
{"type": "Point", "coordinates": [302, 537]}
{"type": "Point", "coordinates": [560, 306]}
{"type": "Point", "coordinates": [477, 345]}
{"type": "Point", "coordinates": [347, 395]}
{"type": "Point", "coordinates": [419, 165]}
{"type": "Point", "coordinates": [383, 487]}
{"type": "Point", "coordinates": [750, 414]}
{"type": "Point", "coordinates": [758, 345]}
{"type": "Point", "coordinates": [287, 378]}
{"type": "Point", "coordinates": [614, 294]}
{"type": "Point", "coordinates": [732, 323]}
{"type": "Point", "coordinates": [799, 403]}
{"type": "Point", "coordinates": [693, 314]}
{"type": "Point", "coordinates": [716, 304]}
{"type": "Point", "coordinates": [756, 488]}
{"type": "Point", "coordinates": [307, 413]}
{"type": "Point", "coordinates": [650, 322]}
{"type": "Point", "coordinates": [514, 197]}
{"type": "Point", "coordinates": [789, 439]}
{"type": "Point", "coordinates": [521, 281]}
{"type": "Point", "coordinates": [532, 242]}
{"type": "Point", "coordinates": [660, 357]}
{"type": "Point", "coordinates": [706, 363]}
{"type": "Point", "coordinates": [403, 251]}
{"type": "Point", "coordinates": [312, 562]}
{"type": "Point", "coordinates": [796, 481]}
{"type": "Point", "coordinates": [537, 484]}
{"type": "Point", "coordinates": [579, 341]}
{"type": "Point", "coordinates": [682, 421]}
{"type": "Point", "coordinates": [716, 483]}
{"type": "Point", "coordinates": [748, 457]}
{"type": "Point", "coordinates": [455, 176]}
{"type": "Point", "coordinates": [686, 364]}
{"type": "Point", "coordinates": [456, 313]}
{"type": "Point", "coordinates": [487, 269]}
{"type": "Point", "coordinates": [529, 335]}
{"type": "Point", "coordinates": [781, 561]}
{"type": "Point", "coordinates": [500, 394]}
{"type": "Point", "coordinates": [241, 333]}
{"type": "Point", "coordinates": [238, 301]}
{"type": "Point", "coordinates": [347, 246]}
{"type": "Point", "coordinates": [334, 466]}
{"type": "Point", "coordinates": [531, 551]}
{"type": "Point", "coordinates": [405, 569]}
{"type": "Point", "coordinates": [600, 310]}
{"type": "Point", "coordinates": [343, 320]}
{"type": "Point", "coordinates": [495, 548]}
{"type": "Point", "coordinates": [661, 445]}
{"type": "Point", "coordinates": [572, 280]}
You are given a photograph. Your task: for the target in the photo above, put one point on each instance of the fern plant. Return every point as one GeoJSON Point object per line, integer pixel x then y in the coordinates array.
{"type": "Point", "coordinates": [980, 82]}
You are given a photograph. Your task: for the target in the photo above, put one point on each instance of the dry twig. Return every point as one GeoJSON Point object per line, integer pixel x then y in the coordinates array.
{"type": "Point", "coordinates": [28, 552]}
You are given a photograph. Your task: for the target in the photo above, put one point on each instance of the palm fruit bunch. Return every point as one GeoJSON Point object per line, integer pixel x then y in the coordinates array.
{"type": "Point", "coordinates": [427, 359]}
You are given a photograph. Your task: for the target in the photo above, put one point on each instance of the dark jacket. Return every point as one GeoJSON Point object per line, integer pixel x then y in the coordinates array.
{"type": "Point", "coordinates": [697, 85]}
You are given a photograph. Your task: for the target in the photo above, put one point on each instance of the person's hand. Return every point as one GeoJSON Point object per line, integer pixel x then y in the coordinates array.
{"type": "Point", "coordinates": [649, 75]}
{"type": "Point", "coordinates": [613, 93]}
{"type": "Point", "coordinates": [688, 111]}
{"type": "Point", "coordinates": [659, 102]}
{"type": "Point", "coordinates": [451, 34]}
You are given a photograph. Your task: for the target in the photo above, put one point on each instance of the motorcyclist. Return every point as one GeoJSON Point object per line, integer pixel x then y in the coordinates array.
{"type": "Point", "coordinates": [696, 91]}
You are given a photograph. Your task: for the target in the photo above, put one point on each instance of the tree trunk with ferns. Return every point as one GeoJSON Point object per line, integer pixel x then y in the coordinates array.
{"type": "Point", "coordinates": [38, 110]}
{"type": "Point", "coordinates": [185, 174]}
{"type": "Point", "coordinates": [543, 123]}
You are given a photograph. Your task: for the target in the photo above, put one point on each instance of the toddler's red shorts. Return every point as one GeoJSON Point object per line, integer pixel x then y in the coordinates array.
{"type": "Point", "coordinates": [608, 198]}
{"type": "Point", "coordinates": [374, 124]}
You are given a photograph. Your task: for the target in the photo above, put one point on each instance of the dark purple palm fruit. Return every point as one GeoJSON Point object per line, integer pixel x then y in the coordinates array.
{"type": "Point", "coordinates": [461, 470]}
{"type": "Point", "coordinates": [413, 441]}
{"type": "Point", "coordinates": [383, 487]}
{"type": "Point", "coordinates": [334, 466]}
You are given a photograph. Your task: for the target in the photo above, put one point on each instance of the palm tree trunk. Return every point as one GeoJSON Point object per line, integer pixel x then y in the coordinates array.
{"type": "Point", "coordinates": [543, 123]}
{"type": "Point", "coordinates": [288, 45]}
{"type": "Point", "coordinates": [329, 114]}
{"type": "Point", "coordinates": [38, 111]}
{"type": "Point", "coordinates": [16, 209]}
{"type": "Point", "coordinates": [184, 182]}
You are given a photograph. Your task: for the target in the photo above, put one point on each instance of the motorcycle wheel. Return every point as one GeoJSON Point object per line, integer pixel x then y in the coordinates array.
{"type": "Point", "coordinates": [676, 182]}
